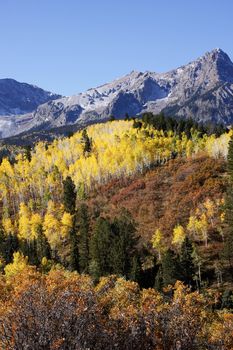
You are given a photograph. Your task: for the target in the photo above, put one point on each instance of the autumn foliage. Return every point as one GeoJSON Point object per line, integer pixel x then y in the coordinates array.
{"type": "Point", "coordinates": [64, 310]}
{"type": "Point", "coordinates": [110, 239]}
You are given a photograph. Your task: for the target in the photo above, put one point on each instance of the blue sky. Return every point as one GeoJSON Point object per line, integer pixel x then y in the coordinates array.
{"type": "Point", "coordinates": [68, 46]}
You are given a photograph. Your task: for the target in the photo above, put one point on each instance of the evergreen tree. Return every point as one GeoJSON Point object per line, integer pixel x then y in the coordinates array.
{"type": "Point", "coordinates": [112, 118]}
{"type": "Point", "coordinates": [228, 229]}
{"type": "Point", "coordinates": [10, 244]}
{"type": "Point", "coordinates": [148, 268]}
{"type": "Point", "coordinates": [123, 245]}
{"type": "Point", "coordinates": [29, 249]}
{"type": "Point", "coordinates": [168, 270]}
{"type": "Point", "coordinates": [43, 247]}
{"type": "Point", "coordinates": [159, 279]}
{"type": "Point", "coordinates": [2, 240]}
{"type": "Point", "coordinates": [87, 143]}
{"type": "Point", "coordinates": [83, 238]}
{"type": "Point", "coordinates": [227, 299]}
{"type": "Point", "coordinates": [69, 195]}
{"type": "Point", "coordinates": [74, 251]}
{"type": "Point", "coordinates": [113, 248]}
{"type": "Point", "coordinates": [137, 124]}
{"type": "Point", "coordinates": [81, 193]}
{"type": "Point", "coordinates": [70, 134]}
{"type": "Point", "coordinates": [135, 272]}
{"type": "Point", "coordinates": [27, 153]}
{"type": "Point", "coordinates": [187, 268]}
{"type": "Point", "coordinates": [69, 200]}
{"type": "Point", "coordinates": [127, 117]}
{"type": "Point", "coordinates": [100, 244]}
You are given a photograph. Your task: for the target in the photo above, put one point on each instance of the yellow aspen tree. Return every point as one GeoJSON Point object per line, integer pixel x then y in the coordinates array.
{"type": "Point", "coordinates": [158, 242]}
{"type": "Point", "coordinates": [36, 225]}
{"type": "Point", "coordinates": [17, 266]}
{"type": "Point", "coordinates": [7, 225]}
{"type": "Point", "coordinates": [192, 227]}
{"type": "Point", "coordinates": [210, 210]}
{"type": "Point", "coordinates": [178, 236]}
{"type": "Point", "coordinates": [67, 224]}
{"type": "Point", "coordinates": [24, 222]}
{"type": "Point", "coordinates": [52, 226]}
{"type": "Point", "coordinates": [45, 264]}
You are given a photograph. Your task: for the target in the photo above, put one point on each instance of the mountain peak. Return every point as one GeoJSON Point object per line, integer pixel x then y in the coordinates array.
{"type": "Point", "coordinates": [217, 55]}
{"type": "Point", "coordinates": [218, 50]}
{"type": "Point", "coordinates": [217, 65]}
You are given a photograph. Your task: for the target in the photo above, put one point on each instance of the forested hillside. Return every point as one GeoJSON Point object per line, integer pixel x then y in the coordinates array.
{"type": "Point", "coordinates": [100, 225]}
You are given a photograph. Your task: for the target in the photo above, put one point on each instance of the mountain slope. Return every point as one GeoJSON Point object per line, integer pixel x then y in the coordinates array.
{"type": "Point", "coordinates": [202, 90]}
{"type": "Point", "coordinates": [162, 197]}
{"type": "Point", "coordinates": [162, 179]}
{"type": "Point", "coordinates": [18, 99]}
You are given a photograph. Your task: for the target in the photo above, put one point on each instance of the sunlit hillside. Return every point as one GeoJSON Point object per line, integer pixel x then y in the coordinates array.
{"type": "Point", "coordinates": [130, 205]}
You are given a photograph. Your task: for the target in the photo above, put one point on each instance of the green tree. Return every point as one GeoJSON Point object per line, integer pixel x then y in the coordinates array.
{"type": "Point", "coordinates": [227, 299]}
{"type": "Point", "coordinates": [29, 249]}
{"type": "Point", "coordinates": [87, 143]}
{"type": "Point", "coordinates": [83, 228]}
{"type": "Point", "coordinates": [69, 201]}
{"type": "Point", "coordinates": [100, 244]}
{"type": "Point", "coordinates": [159, 279]}
{"type": "Point", "coordinates": [123, 247]}
{"type": "Point", "coordinates": [127, 117]}
{"type": "Point", "coordinates": [168, 272]}
{"type": "Point", "coordinates": [228, 229]}
{"type": "Point", "coordinates": [8, 245]}
{"type": "Point", "coordinates": [187, 267]}
{"type": "Point", "coordinates": [81, 193]}
{"type": "Point", "coordinates": [135, 272]}
{"type": "Point", "coordinates": [74, 251]}
{"type": "Point", "coordinates": [69, 195]}
{"type": "Point", "coordinates": [43, 247]}
{"type": "Point", "coordinates": [27, 153]}
{"type": "Point", "coordinates": [112, 118]}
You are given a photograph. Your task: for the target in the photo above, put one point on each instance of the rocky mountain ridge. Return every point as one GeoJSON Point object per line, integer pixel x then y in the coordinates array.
{"type": "Point", "coordinates": [202, 90]}
{"type": "Point", "coordinates": [19, 99]}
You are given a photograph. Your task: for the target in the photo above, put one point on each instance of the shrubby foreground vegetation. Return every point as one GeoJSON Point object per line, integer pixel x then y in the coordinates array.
{"type": "Point", "coordinates": [97, 228]}
{"type": "Point", "coordinates": [64, 310]}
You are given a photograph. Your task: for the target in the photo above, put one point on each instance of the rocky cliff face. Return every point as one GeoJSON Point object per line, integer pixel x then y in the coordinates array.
{"type": "Point", "coordinates": [20, 98]}
{"type": "Point", "coordinates": [202, 90]}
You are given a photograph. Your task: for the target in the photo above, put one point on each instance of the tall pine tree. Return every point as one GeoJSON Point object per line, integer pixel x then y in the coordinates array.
{"type": "Point", "coordinates": [43, 247]}
{"type": "Point", "coordinates": [100, 244]}
{"type": "Point", "coordinates": [9, 244]}
{"type": "Point", "coordinates": [228, 229]}
{"type": "Point", "coordinates": [87, 143]}
{"type": "Point", "coordinates": [123, 247]}
{"type": "Point", "coordinates": [186, 264]}
{"type": "Point", "coordinates": [69, 195]}
{"type": "Point", "coordinates": [83, 228]}
{"type": "Point", "coordinates": [168, 270]}
{"type": "Point", "coordinates": [113, 248]}
{"type": "Point", "coordinates": [69, 201]}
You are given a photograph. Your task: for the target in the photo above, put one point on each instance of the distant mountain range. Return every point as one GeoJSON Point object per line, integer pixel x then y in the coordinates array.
{"type": "Point", "coordinates": [202, 90]}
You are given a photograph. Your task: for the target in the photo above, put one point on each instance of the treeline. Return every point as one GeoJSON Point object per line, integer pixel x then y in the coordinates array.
{"type": "Point", "coordinates": [178, 125]}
